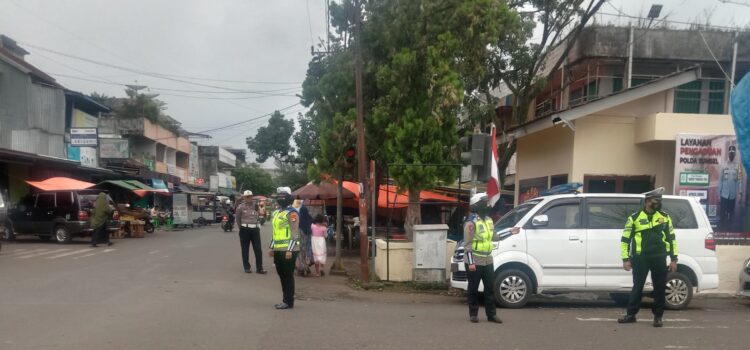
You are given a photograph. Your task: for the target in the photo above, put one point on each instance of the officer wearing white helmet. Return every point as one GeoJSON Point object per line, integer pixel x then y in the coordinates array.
{"type": "Point", "coordinates": [478, 235]}
{"type": "Point", "coordinates": [248, 220]}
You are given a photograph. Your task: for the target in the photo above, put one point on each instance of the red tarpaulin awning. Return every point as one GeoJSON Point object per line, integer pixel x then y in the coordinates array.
{"type": "Point", "coordinates": [389, 198]}
{"type": "Point", "coordinates": [60, 184]}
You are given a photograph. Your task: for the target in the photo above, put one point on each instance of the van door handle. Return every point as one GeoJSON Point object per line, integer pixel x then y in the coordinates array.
{"type": "Point", "coordinates": [574, 238]}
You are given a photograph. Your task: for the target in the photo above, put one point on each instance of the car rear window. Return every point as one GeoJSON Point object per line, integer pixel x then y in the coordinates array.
{"type": "Point", "coordinates": [681, 213]}
{"type": "Point", "coordinates": [87, 200]}
{"type": "Point", "coordinates": [64, 199]}
{"type": "Point", "coordinates": [611, 213]}
{"type": "Point", "coordinates": [45, 200]}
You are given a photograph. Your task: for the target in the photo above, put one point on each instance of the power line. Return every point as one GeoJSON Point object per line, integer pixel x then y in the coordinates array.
{"type": "Point", "coordinates": [142, 72]}
{"type": "Point", "coordinates": [247, 121]}
{"type": "Point", "coordinates": [671, 21]}
{"type": "Point", "coordinates": [309, 23]}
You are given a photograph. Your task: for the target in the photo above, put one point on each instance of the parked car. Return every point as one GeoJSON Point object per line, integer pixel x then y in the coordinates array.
{"type": "Point", "coordinates": [61, 215]}
{"type": "Point", "coordinates": [745, 279]}
{"type": "Point", "coordinates": [571, 243]}
{"type": "Point", "coordinates": [3, 213]}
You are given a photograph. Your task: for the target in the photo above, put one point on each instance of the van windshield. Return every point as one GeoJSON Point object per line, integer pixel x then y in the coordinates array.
{"type": "Point", "coordinates": [512, 217]}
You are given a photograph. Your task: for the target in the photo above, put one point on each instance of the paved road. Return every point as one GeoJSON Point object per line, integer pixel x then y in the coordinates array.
{"type": "Point", "coordinates": [187, 290]}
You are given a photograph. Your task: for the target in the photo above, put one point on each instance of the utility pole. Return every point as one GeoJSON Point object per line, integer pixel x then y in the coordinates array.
{"type": "Point", "coordinates": [361, 148]}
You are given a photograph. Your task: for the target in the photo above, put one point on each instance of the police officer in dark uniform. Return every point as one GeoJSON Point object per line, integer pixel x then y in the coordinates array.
{"type": "Point", "coordinates": [478, 236]}
{"type": "Point", "coordinates": [646, 242]}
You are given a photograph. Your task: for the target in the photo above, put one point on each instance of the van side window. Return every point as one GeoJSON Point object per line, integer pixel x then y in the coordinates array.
{"type": "Point", "coordinates": [45, 200]}
{"type": "Point", "coordinates": [681, 213]}
{"type": "Point", "coordinates": [611, 213]}
{"type": "Point", "coordinates": [564, 214]}
{"type": "Point", "coordinates": [64, 199]}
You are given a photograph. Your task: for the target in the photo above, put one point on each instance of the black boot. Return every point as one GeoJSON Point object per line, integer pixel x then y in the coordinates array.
{"type": "Point", "coordinates": [494, 319]}
{"type": "Point", "coordinates": [473, 319]}
{"type": "Point", "coordinates": [658, 323]}
{"type": "Point", "coordinates": [626, 319]}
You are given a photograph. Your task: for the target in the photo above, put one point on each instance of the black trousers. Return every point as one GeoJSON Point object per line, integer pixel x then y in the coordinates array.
{"type": "Point", "coordinates": [251, 235]}
{"type": "Point", "coordinates": [100, 235]}
{"type": "Point", "coordinates": [641, 267]}
{"type": "Point", "coordinates": [285, 269]}
{"type": "Point", "coordinates": [486, 274]}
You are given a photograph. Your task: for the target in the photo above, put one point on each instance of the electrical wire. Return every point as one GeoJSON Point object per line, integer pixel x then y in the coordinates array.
{"type": "Point", "coordinates": [729, 79]}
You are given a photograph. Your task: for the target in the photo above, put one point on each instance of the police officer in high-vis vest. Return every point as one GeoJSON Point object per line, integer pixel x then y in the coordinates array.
{"type": "Point", "coordinates": [646, 242]}
{"type": "Point", "coordinates": [478, 235]}
{"type": "Point", "coordinates": [285, 244]}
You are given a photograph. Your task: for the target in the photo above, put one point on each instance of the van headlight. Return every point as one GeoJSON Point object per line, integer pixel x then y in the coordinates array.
{"type": "Point", "coordinates": [747, 266]}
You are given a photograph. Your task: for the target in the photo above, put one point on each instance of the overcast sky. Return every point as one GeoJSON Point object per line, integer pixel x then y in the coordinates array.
{"type": "Point", "coordinates": [264, 43]}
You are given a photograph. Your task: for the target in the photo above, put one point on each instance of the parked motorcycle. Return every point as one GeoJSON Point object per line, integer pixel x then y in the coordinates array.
{"type": "Point", "coordinates": [227, 224]}
{"type": "Point", "coordinates": [148, 225]}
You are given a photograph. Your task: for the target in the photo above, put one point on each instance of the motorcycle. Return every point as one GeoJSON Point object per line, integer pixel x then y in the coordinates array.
{"type": "Point", "coordinates": [227, 224]}
{"type": "Point", "coordinates": [148, 225]}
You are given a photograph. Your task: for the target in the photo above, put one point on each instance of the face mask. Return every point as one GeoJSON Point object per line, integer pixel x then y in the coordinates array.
{"type": "Point", "coordinates": [656, 205]}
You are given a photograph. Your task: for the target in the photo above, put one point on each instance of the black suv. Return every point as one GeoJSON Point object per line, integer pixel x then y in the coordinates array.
{"type": "Point", "coordinates": [58, 214]}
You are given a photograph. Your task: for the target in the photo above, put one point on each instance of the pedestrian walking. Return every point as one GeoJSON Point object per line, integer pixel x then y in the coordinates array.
{"type": "Point", "coordinates": [305, 258]}
{"type": "Point", "coordinates": [285, 245]}
{"type": "Point", "coordinates": [478, 235]}
{"type": "Point", "coordinates": [98, 223]}
{"type": "Point", "coordinates": [247, 219]}
{"type": "Point", "coordinates": [319, 249]}
{"type": "Point", "coordinates": [646, 242]}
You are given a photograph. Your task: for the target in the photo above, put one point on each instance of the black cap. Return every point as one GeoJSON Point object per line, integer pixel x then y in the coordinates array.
{"type": "Point", "coordinates": [656, 193]}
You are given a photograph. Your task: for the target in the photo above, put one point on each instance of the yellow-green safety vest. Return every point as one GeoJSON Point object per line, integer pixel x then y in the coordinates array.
{"type": "Point", "coordinates": [648, 237]}
{"type": "Point", "coordinates": [282, 231]}
{"type": "Point", "coordinates": [481, 245]}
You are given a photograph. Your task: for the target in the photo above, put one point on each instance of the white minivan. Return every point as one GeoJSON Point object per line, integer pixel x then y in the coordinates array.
{"type": "Point", "coordinates": [571, 243]}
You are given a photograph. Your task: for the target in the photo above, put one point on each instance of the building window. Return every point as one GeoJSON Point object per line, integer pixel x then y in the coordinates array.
{"type": "Point", "coordinates": [556, 180]}
{"type": "Point", "coordinates": [687, 98]}
{"type": "Point", "coordinates": [700, 96]}
{"type": "Point", "coordinates": [616, 84]}
{"type": "Point", "coordinates": [617, 184]}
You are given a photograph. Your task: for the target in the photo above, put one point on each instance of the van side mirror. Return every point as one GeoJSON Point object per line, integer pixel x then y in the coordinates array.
{"type": "Point", "coordinates": [540, 221]}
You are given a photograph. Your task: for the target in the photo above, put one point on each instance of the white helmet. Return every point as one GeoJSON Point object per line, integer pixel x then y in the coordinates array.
{"type": "Point", "coordinates": [479, 197]}
{"type": "Point", "coordinates": [247, 193]}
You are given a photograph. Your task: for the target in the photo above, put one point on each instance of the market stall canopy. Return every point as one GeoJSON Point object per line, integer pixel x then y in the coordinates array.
{"type": "Point", "coordinates": [60, 184]}
{"type": "Point", "coordinates": [325, 190]}
{"type": "Point", "coordinates": [389, 198]}
{"type": "Point", "coordinates": [139, 188]}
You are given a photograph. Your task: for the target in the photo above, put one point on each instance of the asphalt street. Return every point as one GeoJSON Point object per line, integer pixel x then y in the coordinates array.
{"type": "Point", "coordinates": [187, 290]}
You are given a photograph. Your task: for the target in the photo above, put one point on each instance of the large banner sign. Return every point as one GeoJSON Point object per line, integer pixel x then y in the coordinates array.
{"type": "Point", "coordinates": [709, 167]}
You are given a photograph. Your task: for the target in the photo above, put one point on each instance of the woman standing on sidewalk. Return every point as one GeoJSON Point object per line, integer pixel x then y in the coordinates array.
{"type": "Point", "coordinates": [305, 259]}
{"type": "Point", "coordinates": [319, 250]}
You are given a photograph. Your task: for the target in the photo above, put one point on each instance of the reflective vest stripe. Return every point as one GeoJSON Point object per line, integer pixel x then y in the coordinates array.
{"type": "Point", "coordinates": [482, 242]}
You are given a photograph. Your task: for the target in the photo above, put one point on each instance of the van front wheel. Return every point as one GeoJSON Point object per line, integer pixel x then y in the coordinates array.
{"type": "Point", "coordinates": [512, 288]}
{"type": "Point", "coordinates": [679, 291]}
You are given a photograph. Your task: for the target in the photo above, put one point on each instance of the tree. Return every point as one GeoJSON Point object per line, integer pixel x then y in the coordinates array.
{"type": "Point", "coordinates": [253, 178]}
{"type": "Point", "coordinates": [428, 52]}
{"type": "Point", "coordinates": [289, 174]}
{"type": "Point", "coordinates": [272, 141]}
{"type": "Point", "coordinates": [140, 106]}
{"type": "Point", "coordinates": [307, 140]}
{"type": "Point", "coordinates": [520, 62]}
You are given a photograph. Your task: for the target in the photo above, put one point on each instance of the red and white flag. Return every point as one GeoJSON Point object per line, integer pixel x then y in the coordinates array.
{"type": "Point", "coordinates": [493, 186]}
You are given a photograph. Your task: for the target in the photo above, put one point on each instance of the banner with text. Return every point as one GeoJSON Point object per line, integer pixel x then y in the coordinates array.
{"type": "Point", "coordinates": [709, 167]}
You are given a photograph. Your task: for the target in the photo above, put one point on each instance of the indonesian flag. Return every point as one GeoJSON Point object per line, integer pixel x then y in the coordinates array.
{"type": "Point", "coordinates": [493, 186]}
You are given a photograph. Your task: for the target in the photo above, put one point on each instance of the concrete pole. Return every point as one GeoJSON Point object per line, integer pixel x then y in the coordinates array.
{"type": "Point", "coordinates": [732, 74]}
{"type": "Point", "coordinates": [630, 60]}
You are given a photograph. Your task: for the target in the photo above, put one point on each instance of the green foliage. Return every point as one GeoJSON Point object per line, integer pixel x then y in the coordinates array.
{"type": "Point", "coordinates": [307, 140]}
{"type": "Point", "coordinates": [272, 141]}
{"type": "Point", "coordinates": [140, 106]}
{"type": "Point", "coordinates": [253, 178]}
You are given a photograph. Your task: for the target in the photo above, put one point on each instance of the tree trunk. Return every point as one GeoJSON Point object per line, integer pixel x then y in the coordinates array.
{"type": "Point", "coordinates": [413, 214]}
{"type": "Point", "coordinates": [338, 263]}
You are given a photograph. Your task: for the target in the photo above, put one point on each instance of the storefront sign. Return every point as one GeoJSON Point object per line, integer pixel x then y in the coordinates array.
{"type": "Point", "coordinates": [694, 179]}
{"type": "Point", "coordinates": [708, 167]}
{"type": "Point", "coordinates": [82, 119]}
{"type": "Point", "coordinates": [114, 148]}
{"type": "Point", "coordinates": [83, 137]}
{"type": "Point", "coordinates": [150, 164]}
{"type": "Point", "coordinates": [194, 166]}
{"type": "Point", "coordinates": [85, 155]}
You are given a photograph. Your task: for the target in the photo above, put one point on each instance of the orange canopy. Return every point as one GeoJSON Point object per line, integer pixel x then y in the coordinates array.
{"type": "Point", "coordinates": [388, 197]}
{"type": "Point", "coordinates": [60, 184]}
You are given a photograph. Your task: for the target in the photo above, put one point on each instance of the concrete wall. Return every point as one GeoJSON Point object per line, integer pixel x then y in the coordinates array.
{"type": "Point", "coordinates": [666, 126]}
{"type": "Point", "coordinates": [401, 260]}
{"type": "Point", "coordinates": [548, 152]}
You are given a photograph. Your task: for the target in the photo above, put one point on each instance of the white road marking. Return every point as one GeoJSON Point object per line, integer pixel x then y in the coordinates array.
{"type": "Point", "coordinates": [109, 250]}
{"type": "Point", "coordinates": [84, 256]}
{"type": "Point", "coordinates": [18, 250]}
{"type": "Point", "coordinates": [685, 327]}
{"type": "Point", "coordinates": [68, 253]}
{"type": "Point", "coordinates": [676, 347]}
{"type": "Point", "coordinates": [25, 251]}
{"type": "Point", "coordinates": [42, 253]}
{"type": "Point", "coordinates": [153, 252]}
{"type": "Point", "coordinates": [598, 319]}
